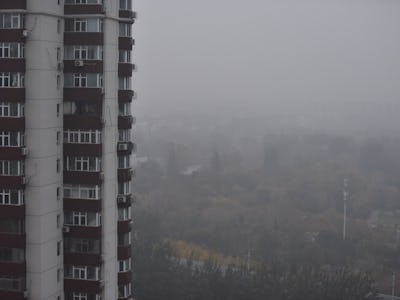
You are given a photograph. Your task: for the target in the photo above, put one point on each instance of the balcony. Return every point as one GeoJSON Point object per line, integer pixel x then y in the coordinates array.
{"type": "Point", "coordinates": [12, 65]}
{"type": "Point", "coordinates": [125, 96]}
{"type": "Point", "coordinates": [125, 122]}
{"type": "Point", "coordinates": [13, 182]}
{"type": "Point", "coordinates": [125, 174]}
{"type": "Point", "coordinates": [11, 153]}
{"type": "Point", "coordinates": [124, 278]}
{"type": "Point", "coordinates": [125, 43]}
{"type": "Point", "coordinates": [124, 226]}
{"type": "Point", "coordinates": [12, 295]}
{"type": "Point", "coordinates": [124, 252]}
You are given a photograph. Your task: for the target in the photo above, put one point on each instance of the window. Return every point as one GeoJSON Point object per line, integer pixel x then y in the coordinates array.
{"type": "Point", "coordinates": [11, 167]}
{"type": "Point", "coordinates": [124, 214]}
{"type": "Point", "coordinates": [13, 80]}
{"type": "Point", "coordinates": [82, 108]}
{"type": "Point", "coordinates": [12, 50]}
{"type": "Point", "coordinates": [12, 226]}
{"type": "Point", "coordinates": [77, 245]}
{"type": "Point", "coordinates": [124, 109]}
{"type": "Point", "coordinates": [58, 220]}
{"type": "Point", "coordinates": [79, 296]}
{"type": "Point", "coordinates": [12, 284]}
{"type": "Point", "coordinates": [12, 197]}
{"type": "Point", "coordinates": [11, 139]}
{"type": "Point", "coordinates": [125, 29]}
{"type": "Point", "coordinates": [124, 188]}
{"type": "Point", "coordinates": [124, 239]}
{"type": "Point", "coordinates": [83, 80]}
{"type": "Point", "coordinates": [124, 56]}
{"type": "Point", "coordinates": [82, 163]}
{"type": "Point", "coordinates": [58, 83]}
{"type": "Point", "coordinates": [83, 52]}
{"type": "Point", "coordinates": [123, 162]}
{"type": "Point", "coordinates": [58, 193]}
{"type": "Point", "coordinates": [125, 4]}
{"type": "Point", "coordinates": [82, 1]}
{"type": "Point", "coordinates": [124, 265]}
{"type": "Point", "coordinates": [84, 25]}
{"type": "Point", "coordinates": [12, 109]}
{"type": "Point", "coordinates": [58, 165]}
{"type": "Point", "coordinates": [83, 272]}
{"type": "Point", "coordinates": [82, 191]}
{"type": "Point", "coordinates": [13, 255]}
{"type": "Point", "coordinates": [58, 248]}
{"type": "Point", "coordinates": [58, 137]}
{"type": "Point", "coordinates": [59, 275]}
{"type": "Point", "coordinates": [124, 290]}
{"type": "Point", "coordinates": [58, 26]}
{"type": "Point", "coordinates": [124, 135]}
{"type": "Point", "coordinates": [82, 137]}
{"type": "Point", "coordinates": [124, 83]}
{"type": "Point", "coordinates": [11, 20]}
{"type": "Point", "coordinates": [79, 218]}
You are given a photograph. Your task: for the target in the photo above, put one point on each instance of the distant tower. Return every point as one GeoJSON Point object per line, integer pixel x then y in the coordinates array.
{"type": "Point", "coordinates": [345, 198]}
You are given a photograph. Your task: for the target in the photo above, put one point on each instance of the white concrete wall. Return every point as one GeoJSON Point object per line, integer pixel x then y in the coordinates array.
{"type": "Point", "coordinates": [42, 124]}
{"type": "Point", "coordinates": [110, 162]}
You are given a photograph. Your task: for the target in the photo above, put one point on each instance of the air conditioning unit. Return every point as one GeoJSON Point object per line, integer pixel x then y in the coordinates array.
{"type": "Point", "coordinates": [26, 294]}
{"type": "Point", "coordinates": [103, 91]}
{"type": "Point", "coordinates": [123, 147]}
{"type": "Point", "coordinates": [24, 151]}
{"type": "Point", "coordinates": [101, 283]}
{"type": "Point", "coordinates": [132, 172]}
{"type": "Point", "coordinates": [24, 180]}
{"type": "Point", "coordinates": [65, 229]}
{"type": "Point", "coordinates": [121, 199]}
{"type": "Point", "coordinates": [25, 33]}
{"type": "Point", "coordinates": [101, 176]}
{"type": "Point", "coordinates": [78, 63]}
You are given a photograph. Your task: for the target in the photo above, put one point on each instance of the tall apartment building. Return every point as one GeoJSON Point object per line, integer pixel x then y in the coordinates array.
{"type": "Point", "coordinates": [65, 149]}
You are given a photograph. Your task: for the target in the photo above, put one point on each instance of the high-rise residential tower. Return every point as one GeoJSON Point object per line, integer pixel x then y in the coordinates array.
{"type": "Point", "coordinates": [65, 149]}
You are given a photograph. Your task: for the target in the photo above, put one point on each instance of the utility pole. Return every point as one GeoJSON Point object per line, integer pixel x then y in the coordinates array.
{"type": "Point", "coordinates": [345, 198]}
{"type": "Point", "coordinates": [393, 283]}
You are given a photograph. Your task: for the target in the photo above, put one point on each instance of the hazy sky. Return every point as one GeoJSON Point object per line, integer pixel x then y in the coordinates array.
{"type": "Point", "coordinates": [256, 56]}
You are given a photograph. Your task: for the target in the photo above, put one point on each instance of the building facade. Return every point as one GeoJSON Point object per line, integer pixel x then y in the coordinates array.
{"type": "Point", "coordinates": [66, 149]}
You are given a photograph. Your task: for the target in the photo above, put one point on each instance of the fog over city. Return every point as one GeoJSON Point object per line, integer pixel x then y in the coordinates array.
{"type": "Point", "coordinates": [329, 64]}
{"type": "Point", "coordinates": [268, 138]}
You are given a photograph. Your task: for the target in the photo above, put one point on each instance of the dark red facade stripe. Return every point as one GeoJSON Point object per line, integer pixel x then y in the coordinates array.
{"type": "Point", "coordinates": [12, 182]}
{"type": "Point", "coordinates": [12, 65]}
{"type": "Point", "coordinates": [83, 232]}
{"type": "Point", "coordinates": [12, 94]}
{"type": "Point", "coordinates": [73, 94]}
{"type": "Point", "coordinates": [12, 211]}
{"type": "Point", "coordinates": [124, 226]}
{"type": "Point", "coordinates": [83, 149]}
{"type": "Point", "coordinates": [12, 35]}
{"type": "Point", "coordinates": [13, 4]}
{"type": "Point", "coordinates": [125, 69]}
{"type": "Point", "coordinates": [76, 9]}
{"type": "Point", "coordinates": [82, 286]}
{"type": "Point", "coordinates": [82, 259]}
{"type": "Point", "coordinates": [125, 96]}
{"type": "Point", "coordinates": [125, 43]}
{"type": "Point", "coordinates": [89, 66]}
{"type": "Point", "coordinates": [10, 153]}
{"type": "Point", "coordinates": [124, 252]}
{"type": "Point", "coordinates": [83, 38]}
{"type": "Point", "coordinates": [79, 177]}
{"type": "Point", "coordinates": [12, 269]}
{"type": "Point", "coordinates": [12, 240]}
{"type": "Point", "coordinates": [12, 124]}
{"type": "Point", "coordinates": [82, 122]}
{"type": "Point", "coordinates": [82, 204]}
{"type": "Point", "coordinates": [124, 278]}
{"type": "Point", "coordinates": [12, 295]}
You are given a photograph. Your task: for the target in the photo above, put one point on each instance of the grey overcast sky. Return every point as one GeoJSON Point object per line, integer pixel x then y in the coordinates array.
{"type": "Point", "coordinates": [245, 57]}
